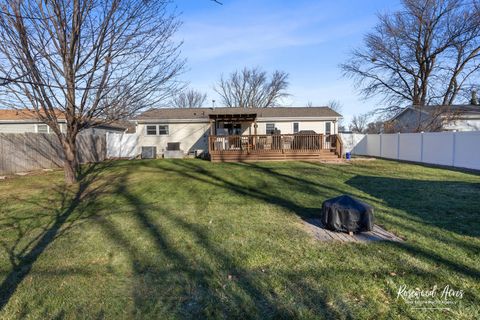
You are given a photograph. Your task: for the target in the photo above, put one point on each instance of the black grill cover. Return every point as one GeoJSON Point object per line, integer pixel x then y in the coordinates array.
{"type": "Point", "coordinates": [347, 214]}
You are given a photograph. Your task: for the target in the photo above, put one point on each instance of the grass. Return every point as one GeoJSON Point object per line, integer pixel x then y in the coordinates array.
{"type": "Point", "coordinates": [184, 239]}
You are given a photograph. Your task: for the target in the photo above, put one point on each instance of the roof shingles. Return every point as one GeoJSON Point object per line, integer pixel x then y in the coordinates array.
{"type": "Point", "coordinates": [23, 114]}
{"type": "Point", "coordinates": [203, 113]}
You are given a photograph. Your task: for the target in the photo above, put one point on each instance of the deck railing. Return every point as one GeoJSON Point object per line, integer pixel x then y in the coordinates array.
{"type": "Point", "coordinates": [294, 143]}
{"type": "Point", "coordinates": [338, 145]}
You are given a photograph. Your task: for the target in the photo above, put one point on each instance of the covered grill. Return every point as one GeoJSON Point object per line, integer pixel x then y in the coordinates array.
{"type": "Point", "coordinates": [347, 214]}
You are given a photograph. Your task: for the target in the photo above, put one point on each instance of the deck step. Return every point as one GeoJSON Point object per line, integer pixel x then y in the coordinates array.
{"type": "Point", "coordinates": [323, 156]}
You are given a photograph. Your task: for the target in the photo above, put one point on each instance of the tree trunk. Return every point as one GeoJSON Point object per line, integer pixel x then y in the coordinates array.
{"type": "Point", "coordinates": [70, 163]}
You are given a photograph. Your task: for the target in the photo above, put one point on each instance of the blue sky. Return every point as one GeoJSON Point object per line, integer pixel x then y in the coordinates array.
{"type": "Point", "coordinates": [307, 39]}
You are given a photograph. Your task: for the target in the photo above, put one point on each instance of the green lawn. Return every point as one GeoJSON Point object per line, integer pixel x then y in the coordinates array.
{"type": "Point", "coordinates": [181, 239]}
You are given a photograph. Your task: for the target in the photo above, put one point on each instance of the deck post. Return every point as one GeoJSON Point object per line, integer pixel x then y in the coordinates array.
{"type": "Point", "coordinates": [209, 144]}
{"type": "Point", "coordinates": [211, 127]}
{"type": "Point", "coordinates": [255, 134]}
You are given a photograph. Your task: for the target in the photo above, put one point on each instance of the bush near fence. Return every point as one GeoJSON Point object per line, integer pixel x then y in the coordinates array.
{"type": "Point", "coordinates": [455, 149]}
{"type": "Point", "coordinates": [20, 152]}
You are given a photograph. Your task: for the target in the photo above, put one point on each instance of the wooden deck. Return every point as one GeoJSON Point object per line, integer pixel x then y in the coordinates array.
{"type": "Point", "coordinates": [322, 234]}
{"type": "Point", "coordinates": [281, 147]}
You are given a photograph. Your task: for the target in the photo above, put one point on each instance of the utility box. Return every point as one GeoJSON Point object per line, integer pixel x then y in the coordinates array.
{"type": "Point", "coordinates": [149, 152]}
{"type": "Point", "coordinates": [173, 151]}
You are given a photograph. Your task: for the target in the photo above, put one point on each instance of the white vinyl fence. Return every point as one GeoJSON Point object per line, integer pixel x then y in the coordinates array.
{"type": "Point", "coordinates": [456, 149]}
{"type": "Point", "coordinates": [122, 145]}
{"type": "Point", "coordinates": [351, 140]}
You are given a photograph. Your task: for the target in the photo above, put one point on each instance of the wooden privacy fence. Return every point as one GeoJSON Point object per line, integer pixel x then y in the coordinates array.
{"type": "Point", "coordinates": [20, 152]}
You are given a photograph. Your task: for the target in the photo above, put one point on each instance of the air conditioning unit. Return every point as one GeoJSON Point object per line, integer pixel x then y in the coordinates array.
{"type": "Point", "coordinates": [173, 146]}
{"type": "Point", "coordinates": [149, 152]}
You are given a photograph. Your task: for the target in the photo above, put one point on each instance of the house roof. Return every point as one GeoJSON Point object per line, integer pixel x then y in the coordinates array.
{"type": "Point", "coordinates": [205, 113]}
{"type": "Point", "coordinates": [23, 114]}
{"type": "Point", "coordinates": [458, 109]}
{"type": "Point", "coordinates": [121, 125]}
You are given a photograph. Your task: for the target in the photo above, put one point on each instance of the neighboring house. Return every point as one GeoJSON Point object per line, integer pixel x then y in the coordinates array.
{"type": "Point", "coordinates": [235, 130]}
{"type": "Point", "coordinates": [435, 118]}
{"type": "Point", "coordinates": [23, 121]}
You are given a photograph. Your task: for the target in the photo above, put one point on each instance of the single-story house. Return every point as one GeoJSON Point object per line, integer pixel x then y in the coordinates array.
{"type": "Point", "coordinates": [25, 121]}
{"type": "Point", "coordinates": [238, 133]}
{"type": "Point", "coordinates": [435, 118]}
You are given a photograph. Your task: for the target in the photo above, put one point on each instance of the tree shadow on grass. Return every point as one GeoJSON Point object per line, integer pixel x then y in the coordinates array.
{"type": "Point", "coordinates": [379, 188]}
{"type": "Point", "coordinates": [34, 234]}
{"type": "Point", "coordinates": [192, 280]}
{"type": "Point", "coordinates": [256, 188]}
{"type": "Point", "coordinates": [449, 205]}
{"type": "Point", "coordinates": [212, 285]}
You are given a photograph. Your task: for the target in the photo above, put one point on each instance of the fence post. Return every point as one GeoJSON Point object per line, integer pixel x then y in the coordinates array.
{"type": "Point", "coordinates": [454, 147]}
{"type": "Point", "coordinates": [107, 153]}
{"type": "Point", "coordinates": [398, 146]}
{"type": "Point", "coordinates": [381, 147]}
{"type": "Point", "coordinates": [421, 146]}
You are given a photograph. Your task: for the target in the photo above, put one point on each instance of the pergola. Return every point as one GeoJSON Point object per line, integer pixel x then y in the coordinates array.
{"type": "Point", "coordinates": [234, 117]}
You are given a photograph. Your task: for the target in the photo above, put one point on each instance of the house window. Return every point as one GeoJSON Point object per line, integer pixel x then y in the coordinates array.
{"type": "Point", "coordinates": [43, 128]}
{"type": "Point", "coordinates": [233, 128]}
{"type": "Point", "coordinates": [328, 127]}
{"type": "Point", "coordinates": [163, 129]}
{"type": "Point", "coordinates": [295, 127]}
{"type": "Point", "coordinates": [156, 129]}
{"type": "Point", "coordinates": [151, 130]}
{"type": "Point", "coordinates": [270, 128]}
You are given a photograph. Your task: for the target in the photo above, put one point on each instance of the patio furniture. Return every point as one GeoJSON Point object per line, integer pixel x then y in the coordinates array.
{"type": "Point", "coordinates": [347, 214]}
{"type": "Point", "coordinates": [268, 143]}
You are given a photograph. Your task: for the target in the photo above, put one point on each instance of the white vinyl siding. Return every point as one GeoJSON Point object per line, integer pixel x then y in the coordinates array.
{"type": "Point", "coordinates": [192, 136]}
{"type": "Point", "coordinates": [23, 127]}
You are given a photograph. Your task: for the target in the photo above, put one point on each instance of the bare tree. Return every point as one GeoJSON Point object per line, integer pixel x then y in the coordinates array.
{"type": "Point", "coordinates": [189, 99]}
{"type": "Point", "coordinates": [252, 88]}
{"type": "Point", "coordinates": [359, 123]}
{"type": "Point", "coordinates": [427, 53]}
{"type": "Point", "coordinates": [91, 61]}
{"type": "Point", "coordinates": [335, 105]}
{"type": "Point", "coordinates": [374, 127]}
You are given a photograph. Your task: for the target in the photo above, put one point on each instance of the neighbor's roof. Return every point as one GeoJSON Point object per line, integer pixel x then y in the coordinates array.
{"type": "Point", "coordinates": [123, 125]}
{"type": "Point", "coordinates": [204, 113]}
{"type": "Point", "coordinates": [23, 114]}
{"type": "Point", "coordinates": [459, 109]}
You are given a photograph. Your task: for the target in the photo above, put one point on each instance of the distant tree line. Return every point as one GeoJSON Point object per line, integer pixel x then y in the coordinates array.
{"type": "Point", "coordinates": [246, 88]}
